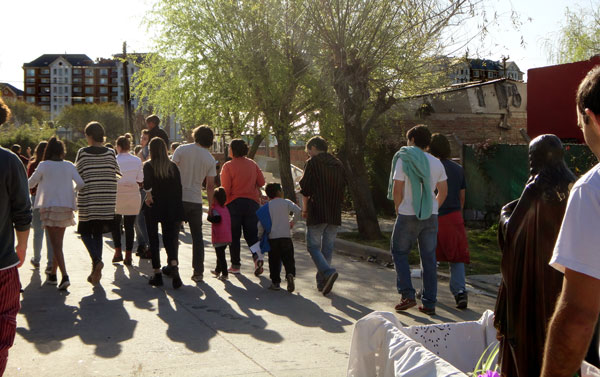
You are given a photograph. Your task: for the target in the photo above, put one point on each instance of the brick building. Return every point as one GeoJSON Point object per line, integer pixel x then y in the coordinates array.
{"type": "Point", "coordinates": [463, 70]}
{"type": "Point", "coordinates": [491, 111]}
{"type": "Point", "coordinates": [53, 81]}
{"type": "Point", "coordinates": [8, 91]}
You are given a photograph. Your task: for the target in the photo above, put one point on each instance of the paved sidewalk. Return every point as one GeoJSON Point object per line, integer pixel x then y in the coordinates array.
{"type": "Point", "coordinates": [124, 327]}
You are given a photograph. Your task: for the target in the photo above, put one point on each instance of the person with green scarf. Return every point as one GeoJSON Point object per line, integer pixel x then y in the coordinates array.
{"type": "Point", "coordinates": [414, 177]}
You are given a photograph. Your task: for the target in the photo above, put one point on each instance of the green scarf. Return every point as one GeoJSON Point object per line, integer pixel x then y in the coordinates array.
{"type": "Point", "coordinates": [416, 167]}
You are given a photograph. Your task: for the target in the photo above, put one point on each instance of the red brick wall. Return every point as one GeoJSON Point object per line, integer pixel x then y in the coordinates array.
{"type": "Point", "coordinates": [298, 155]}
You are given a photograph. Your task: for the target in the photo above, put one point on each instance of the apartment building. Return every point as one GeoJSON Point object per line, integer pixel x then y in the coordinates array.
{"type": "Point", "coordinates": [53, 81]}
{"type": "Point", "coordinates": [467, 70]}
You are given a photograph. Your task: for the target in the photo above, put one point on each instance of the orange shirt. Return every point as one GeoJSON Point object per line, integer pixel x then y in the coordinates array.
{"type": "Point", "coordinates": [241, 178]}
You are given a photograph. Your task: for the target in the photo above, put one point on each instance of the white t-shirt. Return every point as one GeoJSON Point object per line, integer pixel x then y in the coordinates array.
{"type": "Point", "coordinates": [195, 164]}
{"type": "Point", "coordinates": [437, 173]}
{"type": "Point", "coordinates": [578, 245]}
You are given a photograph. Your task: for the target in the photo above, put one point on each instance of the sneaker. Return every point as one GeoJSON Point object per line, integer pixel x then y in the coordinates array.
{"type": "Point", "coordinates": [428, 311]}
{"type": "Point", "coordinates": [35, 264]}
{"type": "Point", "coordinates": [223, 277]}
{"type": "Point", "coordinates": [215, 273]}
{"type": "Point", "coordinates": [167, 271]}
{"type": "Point", "coordinates": [52, 280]}
{"type": "Point", "coordinates": [156, 280]}
{"type": "Point", "coordinates": [405, 304]}
{"type": "Point", "coordinates": [141, 250]}
{"type": "Point", "coordinates": [258, 265]}
{"type": "Point", "coordinates": [48, 270]}
{"type": "Point", "coordinates": [274, 287]}
{"type": "Point", "coordinates": [235, 271]}
{"type": "Point", "coordinates": [199, 278]}
{"type": "Point", "coordinates": [118, 257]}
{"type": "Point", "coordinates": [290, 283]}
{"type": "Point", "coordinates": [177, 283]}
{"type": "Point", "coordinates": [329, 283]}
{"type": "Point", "coordinates": [462, 300]}
{"type": "Point", "coordinates": [64, 283]}
{"type": "Point", "coordinates": [96, 273]}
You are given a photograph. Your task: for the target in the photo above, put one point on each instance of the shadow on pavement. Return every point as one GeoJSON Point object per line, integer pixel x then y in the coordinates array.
{"type": "Point", "coordinates": [348, 307]}
{"type": "Point", "coordinates": [49, 320]}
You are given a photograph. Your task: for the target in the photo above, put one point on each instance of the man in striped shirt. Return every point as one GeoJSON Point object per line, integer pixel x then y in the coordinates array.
{"type": "Point", "coordinates": [322, 187]}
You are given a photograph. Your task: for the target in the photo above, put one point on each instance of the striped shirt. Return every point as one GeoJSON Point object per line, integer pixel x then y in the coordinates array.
{"type": "Point", "coordinates": [324, 182]}
{"type": "Point", "coordinates": [99, 169]}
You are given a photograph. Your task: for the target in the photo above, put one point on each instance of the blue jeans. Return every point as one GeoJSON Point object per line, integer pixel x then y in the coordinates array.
{"type": "Point", "coordinates": [93, 244]}
{"type": "Point", "coordinates": [407, 230]}
{"type": "Point", "coordinates": [319, 242]}
{"type": "Point", "coordinates": [457, 278]}
{"type": "Point", "coordinates": [140, 224]}
{"type": "Point", "coordinates": [38, 237]}
{"type": "Point", "coordinates": [193, 215]}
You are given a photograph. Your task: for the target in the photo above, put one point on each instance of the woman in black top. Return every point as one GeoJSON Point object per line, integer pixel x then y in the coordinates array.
{"type": "Point", "coordinates": [163, 205]}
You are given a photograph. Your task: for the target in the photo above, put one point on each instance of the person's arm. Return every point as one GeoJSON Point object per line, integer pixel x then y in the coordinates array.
{"type": "Point", "coordinates": [20, 205]}
{"type": "Point", "coordinates": [78, 180]}
{"type": "Point", "coordinates": [398, 194]}
{"type": "Point", "coordinates": [148, 181]}
{"type": "Point", "coordinates": [462, 194]}
{"type": "Point", "coordinates": [260, 178]}
{"type": "Point", "coordinates": [305, 184]}
{"type": "Point", "coordinates": [442, 189]}
{"type": "Point", "coordinates": [36, 177]}
{"type": "Point", "coordinates": [261, 230]}
{"type": "Point", "coordinates": [293, 207]}
{"type": "Point", "coordinates": [226, 179]}
{"type": "Point", "coordinates": [572, 326]}
{"type": "Point", "coordinates": [210, 190]}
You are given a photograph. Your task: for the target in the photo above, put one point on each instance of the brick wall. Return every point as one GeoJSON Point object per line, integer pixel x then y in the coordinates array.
{"type": "Point", "coordinates": [298, 154]}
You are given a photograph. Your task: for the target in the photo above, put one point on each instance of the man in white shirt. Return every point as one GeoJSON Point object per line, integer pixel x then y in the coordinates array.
{"type": "Point", "coordinates": [416, 176]}
{"type": "Point", "coordinates": [195, 165]}
{"type": "Point", "coordinates": [577, 253]}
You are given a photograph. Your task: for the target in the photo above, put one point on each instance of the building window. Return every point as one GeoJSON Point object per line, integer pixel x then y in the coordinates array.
{"type": "Point", "coordinates": [103, 90]}
{"type": "Point", "coordinates": [45, 99]}
{"type": "Point", "coordinates": [103, 72]}
{"type": "Point", "coordinates": [30, 99]}
{"type": "Point", "coordinates": [76, 80]}
{"type": "Point", "coordinates": [89, 72]}
{"type": "Point", "coordinates": [114, 89]}
{"type": "Point", "coordinates": [490, 74]}
{"type": "Point", "coordinates": [45, 81]}
{"type": "Point", "coordinates": [77, 71]}
{"type": "Point", "coordinates": [45, 90]}
{"type": "Point", "coordinates": [60, 90]}
{"type": "Point", "coordinates": [54, 71]}
{"type": "Point", "coordinates": [30, 90]}
{"type": "Point", "coordinates": [89, 81]}
{"type": "Point", "coordinates": [89, 99]}
{"type": "Point", "coordinates": [46, 107]}
{"type": "Point", "coordinates": [30, 80]}
{"type": "Point", "coordinates": [115, 98]}
{"type": "Point", "coordinates": [45, 71]}
{"type": "Point", "coordinates": [103, 81]}
{"type": "Point", "coordinates": [114, 80]}
{"type": "Point", "coordinates": [53, 89]}
{"type": "Point", "coordinates": [77, 99]}
{"type": "Point", "coordinates": [76, 89]}
{"type": "Point", "coordinates": [104, 99]}
{"type": "Point", "coordinates": [66, 71]}
{"type": "Point", "coordinates": [30, 72]}
{"type": "Point", "coordinates": [89, 90]}
{"type": "Point", "coordinates": [475, 73]}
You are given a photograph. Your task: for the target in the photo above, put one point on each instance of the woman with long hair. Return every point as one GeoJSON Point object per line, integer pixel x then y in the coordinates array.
{"type": "Point", "coordinates": [98, 167]}
{"type": "Point", "coordinates": [55, 200]}
{"type": "Point", "coordinates": [128, 198]}
{"type": "Point", "coordinates": [36, 223]}
{"type": "Point", "coordinates": [163, 204]}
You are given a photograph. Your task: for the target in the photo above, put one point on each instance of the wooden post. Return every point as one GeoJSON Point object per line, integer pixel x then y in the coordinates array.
{"type": "Point", "coordinates": [126, 93]}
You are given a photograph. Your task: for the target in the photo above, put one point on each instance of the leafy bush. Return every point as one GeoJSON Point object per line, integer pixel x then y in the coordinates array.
{"type": "Point", "coordinates": [26, 135]}
{"type": "Point", "coordinates": [26, 113]}
{"type": "Point", "coordinates": [110, 115]}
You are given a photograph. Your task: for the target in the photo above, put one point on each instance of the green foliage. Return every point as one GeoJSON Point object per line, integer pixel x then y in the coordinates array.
{"type": "Point", "coordinates": [26, 113]}
{"type": "Point", "coordinates": [26, 135]}
{"type": "Point", "coordinates": [110, 115]}
{"type": "Point", "coordinates": [579, 36]}
{"type": "Point", "coordinates": [487, 360]}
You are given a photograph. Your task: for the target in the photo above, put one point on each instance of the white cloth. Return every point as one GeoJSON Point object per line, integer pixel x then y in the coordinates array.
{"type": "Point", "coordinates": [437, 173]}
{"type": "Point", "coordinates": [279, 211]}
{"type": "Point", "coordinates": [461, 343]}
{"type": "Point", "coordinates": [195, 164]}
{"type": "Point", "coordinates": [578, 241]}
{"type": "Point", "coordinates": [381, 348]}
{"type": "Point", "coordinates": [129, 200]}
{"type": "Point", "coordinates": [55, 184]}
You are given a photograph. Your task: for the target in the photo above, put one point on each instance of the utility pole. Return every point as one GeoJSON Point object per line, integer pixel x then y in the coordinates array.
{"type": "Point", "coordinates": [126, 95]}
{"type": "Point", "coordinates": [504, 59]}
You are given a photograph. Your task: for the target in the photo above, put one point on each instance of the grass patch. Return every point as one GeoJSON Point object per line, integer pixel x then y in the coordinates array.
{"type": "Point", "coordinates": [483, 248]}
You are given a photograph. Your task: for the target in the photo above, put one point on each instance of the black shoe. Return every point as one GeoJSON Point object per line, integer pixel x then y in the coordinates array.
{"type": "Point", "coordinates": [64, 283]}
{"type": "Point", "coordinates": [177, 283]}
{"type": "Point", "coordinates": [462, 300]}
{"type": "Point", "coordinates": [141, 250]}
{"type": "Point", "coordinates": [167, 271]}
{"type": "Point", "coordinates": [274, 287]}
{"type": "Point", "coordinates": [52, 280]}
{"type": "Point", "coordinates": [156, 280]}
{"type": "Point", "coordinates": [329, 283]}
{"type": "Point", "coordinates": [290, 283]}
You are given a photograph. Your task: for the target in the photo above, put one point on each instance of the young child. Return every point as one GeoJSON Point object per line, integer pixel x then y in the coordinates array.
{"type": "Point", "coordinates": [274, 232]}
{"type": "Point", "coordinates": [221, 231]}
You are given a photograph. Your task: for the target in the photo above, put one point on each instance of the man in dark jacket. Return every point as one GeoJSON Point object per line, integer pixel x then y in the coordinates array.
{"type": "Point", "coordinates": [15, 215]}
{"type": "Point", "coordinates": [322, 187]}
{"type": "Point", "coordinates": [152, 123]}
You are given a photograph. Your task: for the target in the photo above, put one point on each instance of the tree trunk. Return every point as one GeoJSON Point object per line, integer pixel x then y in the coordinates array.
{"type": "Point", "coordinates": [258, 138]}
{"type": "Point", "coordinates": [285, 168]}
{"type": "Point", "coordinates": [353, 158]}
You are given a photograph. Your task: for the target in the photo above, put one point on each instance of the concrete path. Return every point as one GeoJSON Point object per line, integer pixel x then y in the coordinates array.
{"type": "Point", "coordinates": [124, 327]}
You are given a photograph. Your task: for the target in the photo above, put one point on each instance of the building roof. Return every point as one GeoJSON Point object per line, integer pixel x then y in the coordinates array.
{"type": "Point", "coordinates": [461, 86]}
{"type": "Point", "coordinates": [485, 64]}
{"type": "Point", "coordinates": [73, 59]}
{"type": "Point", "coordinates": [17, 91]}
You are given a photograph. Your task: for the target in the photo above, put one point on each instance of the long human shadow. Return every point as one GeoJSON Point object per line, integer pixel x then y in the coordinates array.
{"type": "Point", "coordinates": [351, 308]}
{"type": "Point", "coordinates": [296, 307]}
{"type": "Point", "coordinates": [104, 323]}
{"type": "Point", "coordinates": [49, 320]}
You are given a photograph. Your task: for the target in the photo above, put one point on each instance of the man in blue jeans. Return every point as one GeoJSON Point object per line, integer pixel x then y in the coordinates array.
{"type": "Point", "coordinates": [414, 178]}
{"type": "Point", "coordinates": [322, 187]}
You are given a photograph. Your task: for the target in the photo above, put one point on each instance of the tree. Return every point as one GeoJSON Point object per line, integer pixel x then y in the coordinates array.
{"type": "Point", "coordinates": [579, 36]}
{"type": "Point", "coordinates": [110, 115]}
{"type": "Point", "coordinates": [371, 52]}
{"type": "Point", "coordinates": [26, 113]}
{"type": "Point", "coordinates": [237, 64]}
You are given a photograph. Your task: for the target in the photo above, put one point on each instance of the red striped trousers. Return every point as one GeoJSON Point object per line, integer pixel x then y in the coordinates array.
{"type": "Point", "coordinates": [9, 307]}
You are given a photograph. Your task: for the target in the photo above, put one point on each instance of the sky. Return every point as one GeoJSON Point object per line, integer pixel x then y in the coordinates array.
{"type": "Point", "coordinates": [98, 29]}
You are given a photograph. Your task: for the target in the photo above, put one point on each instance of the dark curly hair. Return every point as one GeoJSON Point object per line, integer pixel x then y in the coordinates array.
{"type": "Point", "coordinates": [4, 112]}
